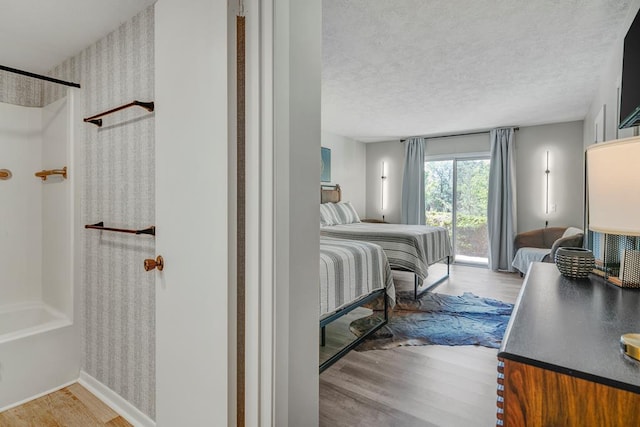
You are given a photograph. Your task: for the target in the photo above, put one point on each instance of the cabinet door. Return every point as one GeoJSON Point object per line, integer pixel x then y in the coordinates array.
{"type": "Point", "coordinates": [538, 397]}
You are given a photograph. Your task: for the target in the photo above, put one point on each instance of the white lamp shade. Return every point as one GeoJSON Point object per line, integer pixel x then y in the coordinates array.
{"type": "Point", "coordinates": [613, 179]}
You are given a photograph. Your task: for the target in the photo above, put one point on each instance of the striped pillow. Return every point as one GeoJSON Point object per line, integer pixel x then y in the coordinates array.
{"type": "Point", "coordinates": [328, 214]}
{"type": "Point", "coordinates": [345, 213]}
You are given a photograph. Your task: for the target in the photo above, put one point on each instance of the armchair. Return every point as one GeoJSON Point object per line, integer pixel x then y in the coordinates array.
{"type": "Point", "coordinates": [542, 244]}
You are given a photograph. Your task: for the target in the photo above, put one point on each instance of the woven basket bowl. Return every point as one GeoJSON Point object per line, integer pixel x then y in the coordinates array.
{"type": "Point", "coordinates": [575, 263]}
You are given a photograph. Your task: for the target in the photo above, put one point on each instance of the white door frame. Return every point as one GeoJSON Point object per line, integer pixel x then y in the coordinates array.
{"type": "Point", "coordinates": [282, 198]}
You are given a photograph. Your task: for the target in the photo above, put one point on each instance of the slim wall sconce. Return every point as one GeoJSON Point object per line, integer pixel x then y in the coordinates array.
{"type": "Point", "coordinates": [547, 172]}
{"type": "Point", "coordinates": [383, 179]}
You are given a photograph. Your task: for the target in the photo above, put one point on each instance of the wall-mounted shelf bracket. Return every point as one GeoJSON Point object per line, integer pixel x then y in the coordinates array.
{"type": "Point", "coordinates": [100, 226]}
{"type": "Point", "coordinates": [149, 106]}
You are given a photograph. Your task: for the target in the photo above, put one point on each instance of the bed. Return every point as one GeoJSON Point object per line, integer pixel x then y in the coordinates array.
{"type": "Point", "coordinates": [410, 248]}
{"type": "Point", "coordinates": [352, 274]}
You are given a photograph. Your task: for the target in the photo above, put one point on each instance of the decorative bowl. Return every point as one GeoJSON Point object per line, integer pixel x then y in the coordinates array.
{"type": "Point", "coordinates": [575, 263]}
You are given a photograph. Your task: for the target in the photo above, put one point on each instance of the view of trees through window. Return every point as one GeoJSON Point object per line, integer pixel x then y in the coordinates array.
{"type": "Point", "coordinates": [469, 235]}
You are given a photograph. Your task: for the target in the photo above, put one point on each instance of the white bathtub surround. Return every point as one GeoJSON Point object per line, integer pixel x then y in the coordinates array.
{"type": "Point", "coordinates": [35, 363]}
{"type": "Point", "coordinates": [39, 335]}
{"type": "Point", "coordinates": [21, 201]}
{"type": "Point", "coordinates": [29, 318]}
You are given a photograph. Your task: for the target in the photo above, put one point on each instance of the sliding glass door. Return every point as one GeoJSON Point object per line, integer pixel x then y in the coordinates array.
{"type": "Point", "coordinates": [456, 194]}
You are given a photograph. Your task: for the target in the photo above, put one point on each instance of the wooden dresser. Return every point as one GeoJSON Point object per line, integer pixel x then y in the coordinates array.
{"type": "Point", "coordinates": [560, 363]}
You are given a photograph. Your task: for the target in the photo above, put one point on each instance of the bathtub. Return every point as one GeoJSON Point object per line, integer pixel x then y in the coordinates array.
{"type": "Point", "coordinates": [38, 352]}
{"type": "Point", "coordinates": [25, 319]}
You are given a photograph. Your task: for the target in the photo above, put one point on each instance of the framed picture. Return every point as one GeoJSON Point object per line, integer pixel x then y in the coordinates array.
{"type": "Point", "coordinates": [325, 166]}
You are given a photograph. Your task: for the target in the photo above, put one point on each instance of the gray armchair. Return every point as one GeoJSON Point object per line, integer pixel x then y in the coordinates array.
{"type": "Point", "coordinates": [542, 244]}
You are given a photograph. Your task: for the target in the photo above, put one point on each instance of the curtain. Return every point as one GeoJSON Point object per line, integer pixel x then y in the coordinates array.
{"type": "Point", "coordinates": [501, 211]}
{"type": "Point", "coordinates": [412, 211]}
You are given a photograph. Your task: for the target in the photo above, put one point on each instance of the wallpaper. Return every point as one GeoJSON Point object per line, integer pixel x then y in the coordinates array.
{"type": "Point", "coordinates": [118, 173]}
{"type": "Point", "coordinates": [19, 90]}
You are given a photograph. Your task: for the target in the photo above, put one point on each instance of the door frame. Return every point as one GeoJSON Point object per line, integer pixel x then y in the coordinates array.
{"type": "Point", "coordinates": [283, 62]}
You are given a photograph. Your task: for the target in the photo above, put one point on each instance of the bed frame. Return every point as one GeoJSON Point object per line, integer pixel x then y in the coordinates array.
{"type": "Point", "coordinates": [333, 194]}
{"type": "Point", "coordinates": [345, 310]}
{"type": "Point", "coordinates": [432, 286]}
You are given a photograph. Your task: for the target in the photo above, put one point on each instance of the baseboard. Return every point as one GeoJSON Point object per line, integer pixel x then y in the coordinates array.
{"type": "Point", "coordinates": [44, 393]}
{"type": "Point", "coordinates": [115, 401]}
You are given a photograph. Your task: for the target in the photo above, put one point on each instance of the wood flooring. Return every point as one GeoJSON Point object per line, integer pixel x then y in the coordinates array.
{"type": "Point", "coordinates": [422, 385]}
{"type": "Point", "coordinates": [72, 406]}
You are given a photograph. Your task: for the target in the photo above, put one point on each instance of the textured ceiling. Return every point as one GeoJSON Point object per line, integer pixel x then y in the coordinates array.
{"type": "Point", "coordinates": [396, 68]}
{"type": "Point", "coordinates": [37, 35]}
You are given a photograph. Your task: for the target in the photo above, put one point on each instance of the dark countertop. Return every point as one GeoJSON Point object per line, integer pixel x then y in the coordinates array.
{"type": "Point", "coordinates": [574, 327]}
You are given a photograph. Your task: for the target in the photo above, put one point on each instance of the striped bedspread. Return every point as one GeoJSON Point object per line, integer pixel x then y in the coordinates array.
{"type": "Point", "coordinates": [350, 270]}
{"type": "Point", "coordinates": [408, 247]}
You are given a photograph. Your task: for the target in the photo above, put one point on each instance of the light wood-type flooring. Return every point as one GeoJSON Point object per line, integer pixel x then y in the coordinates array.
{"type": "Point", "coordinates": [72, 406]}
{"type": "Point", "coordinates": [422, 385]}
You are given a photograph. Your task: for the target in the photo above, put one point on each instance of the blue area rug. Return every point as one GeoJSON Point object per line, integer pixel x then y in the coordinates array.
{"type": "Point", "coordinates": [438, 319]}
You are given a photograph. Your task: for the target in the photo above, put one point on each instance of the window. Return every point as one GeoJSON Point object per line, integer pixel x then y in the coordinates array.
{"type": "Point", "coordinates": [456, 196]}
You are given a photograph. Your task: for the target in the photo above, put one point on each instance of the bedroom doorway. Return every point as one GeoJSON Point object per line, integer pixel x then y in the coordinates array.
{"type": "Point", "coordinates": [456, 196]}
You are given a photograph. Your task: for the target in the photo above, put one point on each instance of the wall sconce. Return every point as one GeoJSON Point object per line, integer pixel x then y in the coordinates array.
{"type": "Point", "coordinates": [383, 179]}
{"type": "Point", "coordinates": [547, 172]}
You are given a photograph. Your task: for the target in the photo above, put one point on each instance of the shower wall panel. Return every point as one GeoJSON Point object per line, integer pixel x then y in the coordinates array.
{"type": "Point", "coordinates": [20, 205]}
{"type": "Point", "coordinates": [57, 209]}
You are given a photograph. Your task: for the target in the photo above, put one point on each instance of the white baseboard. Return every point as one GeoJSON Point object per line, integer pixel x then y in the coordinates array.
{"type": "Point", "coordinates": [29, 399]}
{"type": "Point", "coordinates": [115, 401]}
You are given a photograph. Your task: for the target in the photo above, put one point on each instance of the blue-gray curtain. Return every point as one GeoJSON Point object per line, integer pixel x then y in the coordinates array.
{"type": "Point", "coordinates": [412, 211]}
{"type": "Point", "coordinates": [501, 211]}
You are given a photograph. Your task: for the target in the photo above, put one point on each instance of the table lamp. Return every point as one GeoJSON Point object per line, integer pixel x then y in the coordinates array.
{"type": "Point", "coordinates": [613, 182]}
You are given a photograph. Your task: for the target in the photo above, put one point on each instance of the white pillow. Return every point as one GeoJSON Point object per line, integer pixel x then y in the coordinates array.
{"type": "Point", "coordinates": [346, 213]}
{"type": "Point", "coordinates": [572, 231]}
{"type": "Point", "coordinates": [328, 215]}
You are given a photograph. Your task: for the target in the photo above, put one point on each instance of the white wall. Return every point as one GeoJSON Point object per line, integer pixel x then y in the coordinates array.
{"type": "Point", "coordinates": [21, 202]}
{"type": "Point", "coordinates": [458, 145]}
{"type": "Point", "coordinates": [606, 93]}
{"type": "Point", "coordinates": [566, 163]}
{"type": "Point", "coordinates": [297, 65]}
{"type": "Point", "coordinates": [564, 140]}
{"type": "Point", "coordinates": [392, 153]}
{"type": "Point", "coordinates": [348, 168]}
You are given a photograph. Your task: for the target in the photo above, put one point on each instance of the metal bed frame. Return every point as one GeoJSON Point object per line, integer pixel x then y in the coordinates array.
{"type": "Point", "coordinates": [432, 286]}
{"type": "Point", "coordinates": [345, 310]}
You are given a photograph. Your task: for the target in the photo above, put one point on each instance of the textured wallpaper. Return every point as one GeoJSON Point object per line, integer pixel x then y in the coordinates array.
{"type": "Point", "coordinates": [118, 172]}
{"type": "Point", "coordinates": [19, 90]}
